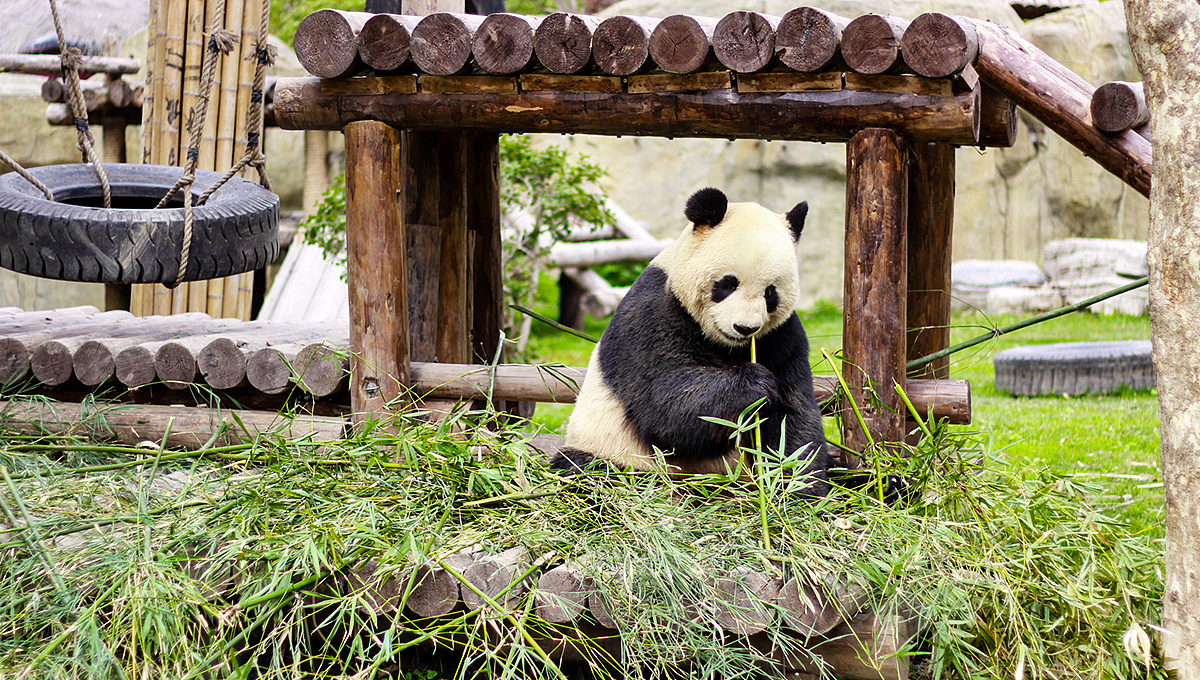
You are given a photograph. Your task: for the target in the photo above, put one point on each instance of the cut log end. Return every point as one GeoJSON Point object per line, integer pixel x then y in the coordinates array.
{"type": "Point", "coordinates": [222, 363]}
{"type": "Point", "coordinates": [51, 363]}
{"type": "Point", "coordinates": [441, 43]}
{"type": "Point", "coordinates": [326, 42]}
{"type": "Point", "coordinates": [563, 42]}
{"type": "Point", "coordinates": [385, 41]}
{"type": "Point", "coordinates": [135, 367]}
{"type": "Point", "coordinates": [621, 45]}
{"type": "Point", "coordinates": [871, 44]}
{"type": "Point", "coordinates": [1119, 106]}
{"type": "Point", "coordinates": [175, 365]}
{"type": "Point", "coordinates": [322, 370]}
{"type": "Point", "coordinates": [561, 596]}
{"type": "Point", "coordinates": [435, 592]}
{"type": "Point", "coordinates": [808, 39]}
{"type": "Point", "coordinates": [681, 43]}
{"type": "Point", "coordinates": [14, 360]}
{"type": "Point", "coordinates": [745, 41]}
{"type": "Point", "coordinates": [504, 43]}
{"type": "Point", "coordinates": [93, 363]}
{"type": "Point", "coordinates": [937, 45]}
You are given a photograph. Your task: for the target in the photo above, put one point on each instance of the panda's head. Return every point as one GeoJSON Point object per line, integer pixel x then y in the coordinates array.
{"type": "Point", "coordinates": [735, 267]}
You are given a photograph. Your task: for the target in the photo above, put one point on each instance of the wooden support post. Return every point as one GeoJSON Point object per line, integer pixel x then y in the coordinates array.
{"type": "Point", "coordinates": [487, 259]}
{"type": "Point", "coordinates": [930, 223]}
{"type": "Point", "coordinates": [375, 243]}
{"type": "Point", "coordinates": [420, 204]}
{"type": "Point", "coordinates": [875, 285]}
{"type": "Point", "coordinates": [453, 328]}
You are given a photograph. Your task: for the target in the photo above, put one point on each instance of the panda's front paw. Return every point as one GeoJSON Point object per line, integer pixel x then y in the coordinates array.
{"type": "Point", "coordinates": [759, 382]}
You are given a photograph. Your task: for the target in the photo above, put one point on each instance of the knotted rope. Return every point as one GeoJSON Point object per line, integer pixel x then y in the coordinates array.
{"type": "Point", "coordinates": [254, 157]}
{"type": "Point", "coordinates": [72, 59]}
{"type": "Point", "coordinates": [220, 41]}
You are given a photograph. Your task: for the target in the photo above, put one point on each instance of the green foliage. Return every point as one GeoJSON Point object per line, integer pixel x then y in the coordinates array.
{"type": "Point", "coordinates": [1012, 575]}
{"type": "Point", "coordinates": [555, 193]}
{"type": "Point", "coordinates": [620, 274]}
{"type": "Point", "coordinates": [326, 226]}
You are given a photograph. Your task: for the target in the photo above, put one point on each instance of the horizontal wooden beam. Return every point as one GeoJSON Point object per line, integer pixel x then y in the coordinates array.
{"type": "Point", "coordinates": [52, 63]}
{"type": "Point", "coordinates": [184, 426]}
{"type": "Point", "coordinates": [822, 116]}
{"type": "Point", "coordinates": [949, 399]}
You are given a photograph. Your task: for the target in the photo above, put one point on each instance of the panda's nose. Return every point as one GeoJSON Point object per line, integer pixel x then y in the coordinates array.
{"type": "Point", "coordinates": [746, 331]}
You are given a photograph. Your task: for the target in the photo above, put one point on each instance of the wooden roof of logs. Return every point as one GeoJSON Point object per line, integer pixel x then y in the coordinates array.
{"type": "Point", "coordinates": [808, 75]}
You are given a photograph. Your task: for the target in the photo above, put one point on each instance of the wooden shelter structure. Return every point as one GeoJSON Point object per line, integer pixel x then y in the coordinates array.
{"type": "Point", "coordinates": [420, 142]}
{"type": "Point", "coordinates": [423, 203]}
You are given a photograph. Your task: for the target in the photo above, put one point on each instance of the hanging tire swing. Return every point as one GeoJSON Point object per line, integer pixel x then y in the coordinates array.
{"type": "Point", "coordinates": [72, 238]}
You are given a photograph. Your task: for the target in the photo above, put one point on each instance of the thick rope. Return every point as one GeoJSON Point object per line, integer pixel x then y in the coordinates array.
{"type": "Point", "coordinates": [220, 42]}
{"type": "Point", "coordinates": [254, 157]}
{"type": "Point", "coordinates": [6, 159]}
{"type": "Point", "coordinates": [72, 59]}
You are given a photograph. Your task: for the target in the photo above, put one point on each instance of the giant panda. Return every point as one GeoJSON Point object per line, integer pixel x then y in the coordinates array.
{"type": "Point", "coordinates": [678, 349]}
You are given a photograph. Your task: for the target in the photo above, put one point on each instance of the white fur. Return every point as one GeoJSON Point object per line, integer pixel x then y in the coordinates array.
{"type": "Point", "coordinates": [748, 244]}
{"type": "Point", "coordinates": [598, 424]}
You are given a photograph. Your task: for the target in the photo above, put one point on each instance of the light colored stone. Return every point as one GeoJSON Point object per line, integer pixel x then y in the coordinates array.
{"type": "Point", "coordinates": [972, 280]}
{"type": "Point", "coordinates": [1022, 301]}
{"type": "Point", "coordinates": [1082, 268]}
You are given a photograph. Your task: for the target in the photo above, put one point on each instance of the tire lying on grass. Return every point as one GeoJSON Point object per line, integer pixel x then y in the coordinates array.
{"type": "Point", "coordinates": [74, 239]}
{"type": "Point", "coordinates": [1074, 368]}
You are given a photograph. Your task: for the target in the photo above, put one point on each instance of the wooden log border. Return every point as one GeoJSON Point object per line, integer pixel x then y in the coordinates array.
{"type": "Point", "coordinates": [313, 358]}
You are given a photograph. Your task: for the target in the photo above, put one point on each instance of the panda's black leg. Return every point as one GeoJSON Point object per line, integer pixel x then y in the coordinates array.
{"type": "Point", "coordinates": [571, 461]}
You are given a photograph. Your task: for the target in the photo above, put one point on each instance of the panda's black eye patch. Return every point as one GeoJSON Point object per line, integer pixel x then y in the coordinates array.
{"type": "Point", "coordinates": [772, 297]}
{"type": "Point", "coordinates": [724, 287]}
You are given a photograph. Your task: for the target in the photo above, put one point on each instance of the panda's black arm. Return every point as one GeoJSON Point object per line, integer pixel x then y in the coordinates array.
{"type": "Point", "coordinates": [671, 413]}
{"type": "Point", "coordinates": [784, 351]}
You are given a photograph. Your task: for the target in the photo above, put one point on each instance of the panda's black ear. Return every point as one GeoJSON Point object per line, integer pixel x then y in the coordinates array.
{"type": "Point", "coordinates": [706, 207]}
{"type": "Point", "coordinates": [795, 218]}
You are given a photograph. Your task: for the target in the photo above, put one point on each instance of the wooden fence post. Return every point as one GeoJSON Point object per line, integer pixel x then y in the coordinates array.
{"type": "Point", "coordinates": [377, 269]}
{"type": "Point", "coordinates": [873, 344]}
{"type": "Point", "coordinates": [486, 272]}
{"type": "Point", "coordinates": [930, 224]}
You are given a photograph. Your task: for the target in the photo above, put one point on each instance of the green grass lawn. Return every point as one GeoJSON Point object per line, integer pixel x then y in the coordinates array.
{"type": "Point", "coordinates": [1109, 438]}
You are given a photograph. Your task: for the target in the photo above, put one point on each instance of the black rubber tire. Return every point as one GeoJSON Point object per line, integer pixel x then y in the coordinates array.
{"type": "Point", "coordinates": [1072, 368]}
{"type": "Point", "coordinates": [236, 231]}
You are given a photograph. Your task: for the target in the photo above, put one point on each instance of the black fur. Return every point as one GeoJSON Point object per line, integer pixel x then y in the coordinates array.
{"type": "Point", "coordinates": [795, 219]}
{"type": "Point", "coordinates": [667, 374]}
{"type": "Point", "coordinates": [571, 461]}
{"type": "Point", "coordinates": [706, 207]}
{"type": "Point", "coordinates": [724, 287]}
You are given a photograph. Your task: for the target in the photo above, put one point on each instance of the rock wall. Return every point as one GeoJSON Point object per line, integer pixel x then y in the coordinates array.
{"type": "Point", "coordinates": [1010, 202]}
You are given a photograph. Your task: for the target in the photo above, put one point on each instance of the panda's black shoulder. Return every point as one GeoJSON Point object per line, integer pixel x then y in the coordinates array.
{"type": "Point", "coordinates": [649, 330]}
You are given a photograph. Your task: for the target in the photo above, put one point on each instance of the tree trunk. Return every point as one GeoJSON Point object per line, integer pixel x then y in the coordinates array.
{"type": "Point", "coordinates": [1165, 35]}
